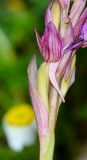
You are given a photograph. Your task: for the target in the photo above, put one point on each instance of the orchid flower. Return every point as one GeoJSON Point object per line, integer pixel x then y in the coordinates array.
{"type": "Point", "coordinates": [65, 32]}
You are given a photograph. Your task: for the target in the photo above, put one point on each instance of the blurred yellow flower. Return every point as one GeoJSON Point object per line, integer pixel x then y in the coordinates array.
{"type": "Point", "coordinates": [20, 115]}
{"type": "Point", "coordinates": [16, 5]}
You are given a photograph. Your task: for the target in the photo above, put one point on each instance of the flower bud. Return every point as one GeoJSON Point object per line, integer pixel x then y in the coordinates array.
{"type": "Point", "coordinates": [50, 44]}
{"type": "Point", "coordinates": [53, 14]}
{"type": "Point", "coordinates": [56, 13]}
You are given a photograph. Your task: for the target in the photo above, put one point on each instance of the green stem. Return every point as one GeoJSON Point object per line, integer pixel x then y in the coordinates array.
{"type": "Point", "coordinates": [47, 147]}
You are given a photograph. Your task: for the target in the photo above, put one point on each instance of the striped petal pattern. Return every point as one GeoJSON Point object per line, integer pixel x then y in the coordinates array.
{"type": "Point", "coordinates": [51, 43]}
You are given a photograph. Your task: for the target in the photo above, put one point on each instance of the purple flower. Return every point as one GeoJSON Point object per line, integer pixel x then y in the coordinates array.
{"type": "Point", "coordinates": [79, 33]}
{"type": "Point", "coordinates": [51, 43]}
{"type": "Point", "coordinates": [65, 32]}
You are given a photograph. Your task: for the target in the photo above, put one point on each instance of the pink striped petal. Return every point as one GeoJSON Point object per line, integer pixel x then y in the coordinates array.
{"type": "Point", "coordinates": [80, 23]}
{"type": "Point", "coordinates": [40, 109]}
{"type": "Point", "coordinates": [51, 43]}
{"type": "Point", "coordinates": [76, 10]}
{"type": "Point", "coordinates": [65, 4]}
{"type": "Point", "coordinates": [63, 63]}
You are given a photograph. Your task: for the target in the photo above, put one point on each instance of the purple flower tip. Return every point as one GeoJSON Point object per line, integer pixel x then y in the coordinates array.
{"type": "Point", "coordinates": [51, 43]}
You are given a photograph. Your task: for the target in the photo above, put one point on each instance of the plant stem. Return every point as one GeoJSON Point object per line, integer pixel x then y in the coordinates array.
{"type": "Point", "coordinates": [47, 147]}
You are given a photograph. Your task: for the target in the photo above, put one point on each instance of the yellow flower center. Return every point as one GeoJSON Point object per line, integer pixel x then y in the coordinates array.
{"type": "Point", "coordinates": [20, 115]}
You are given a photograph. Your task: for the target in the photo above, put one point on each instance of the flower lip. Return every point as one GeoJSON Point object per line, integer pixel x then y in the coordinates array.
{"type": "Point", "coordinates": [51, 43]}
{"type": "Point", "coordinates": [77, 43]}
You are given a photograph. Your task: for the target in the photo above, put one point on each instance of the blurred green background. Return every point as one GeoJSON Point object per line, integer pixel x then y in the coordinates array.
{"type": "Point", "coordinates": [17, 45]}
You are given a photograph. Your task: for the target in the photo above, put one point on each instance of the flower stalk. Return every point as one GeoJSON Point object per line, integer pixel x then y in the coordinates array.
{"type": "Point", "coordinates": [65, 32]}
{"type": "Point", "coordinates": [47, 147]}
